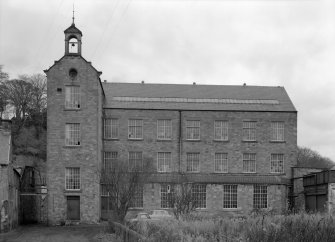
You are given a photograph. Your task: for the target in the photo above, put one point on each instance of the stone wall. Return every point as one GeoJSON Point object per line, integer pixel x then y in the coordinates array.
{"type": "Point", "coordinates": [86, 156]}
{"type": "Point", "coordinates": [207, 146]}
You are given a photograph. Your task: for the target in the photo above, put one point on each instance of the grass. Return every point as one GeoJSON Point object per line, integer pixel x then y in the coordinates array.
{"type": "Point", "coordinates": [272, 228]}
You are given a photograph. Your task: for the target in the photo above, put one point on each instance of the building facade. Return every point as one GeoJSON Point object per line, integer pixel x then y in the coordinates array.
{"type": "Point", "coordinates": [9, 181]}
{"type": "Point", "coordinates": [235, 144]}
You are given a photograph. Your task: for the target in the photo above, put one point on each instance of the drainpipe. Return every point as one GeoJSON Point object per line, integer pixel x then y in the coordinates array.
{"type": "Point", "coordinates": [180, 142]}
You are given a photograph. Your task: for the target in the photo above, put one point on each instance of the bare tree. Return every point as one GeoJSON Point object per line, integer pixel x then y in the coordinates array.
{"type": "Point", "coordinates": [183, 201]}
{"type": "Point", "coordinates": [310, 158]}
{"type": "Point", "coordinates": [38, 92]}
{"type": "Point", "coordinates": [19, 95]}
{"type": "Point", "coordinates": [3, 94]}
{"type": "Point", "coordinates": [121, 186]}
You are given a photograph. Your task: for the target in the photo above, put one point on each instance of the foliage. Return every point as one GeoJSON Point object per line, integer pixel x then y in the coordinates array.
{"type": "Point", "coordinates": [28, 97]}
{"type": "Point", "coordinates": [3, 100]}
{"type": "Point", "coordinates": [297, 227]}
{"type": "Point", "coordinates": [121, 186]}
{"type": "Point", "coordinates": [310, 158]}
{"type": "Point", "coordinates": [183, 202]}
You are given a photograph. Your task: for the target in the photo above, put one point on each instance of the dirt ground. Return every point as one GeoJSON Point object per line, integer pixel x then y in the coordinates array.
{"type": "Point", "coordinates": [80, 233]}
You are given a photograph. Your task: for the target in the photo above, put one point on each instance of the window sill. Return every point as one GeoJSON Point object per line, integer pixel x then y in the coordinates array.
{"type": "Point", "coordinates": [277, 141]}
{"type": "Point", "coordinates": [219, 140]}
{"type": "Point", "coordinates": [254, 172]}
{"type": "Point", "coordinates": [164, 140]}
{"type": "Point", "coordinates": [249, 141]}
{"type": "Point", "coordinates": [141, 139]}
{"type": "Point", "coordinates": [193, 140]}
{"type": "Point", "coordinates": [71, 146]}
{"type": "Point", "coordinates": [192, 171]}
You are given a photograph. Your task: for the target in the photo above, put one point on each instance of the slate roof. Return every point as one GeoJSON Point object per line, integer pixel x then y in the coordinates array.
{"type": "Point", "coordinates": [197, 97]}
{"type": "Point", "coordinates": [73, 29]}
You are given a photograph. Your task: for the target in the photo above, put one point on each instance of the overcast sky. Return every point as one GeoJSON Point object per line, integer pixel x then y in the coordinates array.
{"type": "Point", "coordinates": [271, 42]}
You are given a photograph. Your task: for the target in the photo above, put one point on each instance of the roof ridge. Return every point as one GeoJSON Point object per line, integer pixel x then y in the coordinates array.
{"type": "Point", "coordinates": [186, 84]}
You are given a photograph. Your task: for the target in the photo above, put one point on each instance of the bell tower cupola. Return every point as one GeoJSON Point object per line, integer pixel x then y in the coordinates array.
{"type": "Point", "coordinates": [73, 40]}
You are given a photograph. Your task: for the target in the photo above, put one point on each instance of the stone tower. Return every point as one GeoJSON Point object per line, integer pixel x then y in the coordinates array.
{"type": "Point", "coordinates": [74, 143]}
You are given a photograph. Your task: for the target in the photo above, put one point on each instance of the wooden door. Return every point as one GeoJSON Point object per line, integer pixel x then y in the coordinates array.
{"type": "Point", "coordinates": [73, 208]}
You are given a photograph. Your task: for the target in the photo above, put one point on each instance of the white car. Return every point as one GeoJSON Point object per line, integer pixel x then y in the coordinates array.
{"type": "Point", "coordinates": [160, 214]}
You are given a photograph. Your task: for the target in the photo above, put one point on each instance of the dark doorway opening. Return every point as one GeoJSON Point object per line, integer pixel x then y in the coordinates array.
{"type": "Point", "coordinates": [73, 207]}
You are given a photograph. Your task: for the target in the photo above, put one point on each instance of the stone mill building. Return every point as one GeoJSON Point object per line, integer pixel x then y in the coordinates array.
{"type": "Point", "coordinates": [235, 144]}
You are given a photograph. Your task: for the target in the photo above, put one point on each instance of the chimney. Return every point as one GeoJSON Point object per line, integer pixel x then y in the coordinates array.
{"type": "Point", "coordinates": [142, 82]}
{"type": "Point", "coordinates": [194, 83]}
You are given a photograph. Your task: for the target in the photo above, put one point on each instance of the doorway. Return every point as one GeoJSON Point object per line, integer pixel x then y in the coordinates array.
{"type": "Point", "coordinates": [73, 207]}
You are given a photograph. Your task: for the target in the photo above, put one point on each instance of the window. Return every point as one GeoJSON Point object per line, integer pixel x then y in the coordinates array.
{"type": "Point", "coordinates": [249, 131]}
{"type": "Point", "coordinates": [167, 193]}
{"type": "Point", "coordinates": [229, 196]}
{"type": "Point", "coordinates": [135, 129]}
{"type": "Point", "coordinates": [193, 163]}
{"type": "Point", "coordinates": [72, 97]}
{"type": "Point", "coordinates": [72, 134]}
{"type": "Point", "coordinates": [193, 130]}
{"type": "Point", "coordinates": [137, 197]}
{"type": "Point", "coordinates": [111, 128]}
{"type": "Point", "coordinates": [164, 161]}
{"type": "Point", "coordinates": [109, 159]}
{"type": "Point", "coordinates": [106, 197]}
{"type": "Point", "coordinates": [277, 163]}
{"type": "Point", "coordinates": [220, 130]}
{"type": "Point", "coordinates": [72, 178]}
{"type": "Point", "coordinates": [249, 162]}
{"type": "Point", "coordinates": [164, 129]}
{"type": "Point", "coordinates": [199, 195]}
{"type": "Point", "coordinates": [277, 131]}
{"type": "Point", "coordinates": [260, 196]}
{"type": "Point", "coordinates": [221, 162]}
{"type": "Point", "coordinates": [135, 161]}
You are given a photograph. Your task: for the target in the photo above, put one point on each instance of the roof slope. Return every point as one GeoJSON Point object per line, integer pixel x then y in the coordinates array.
{"type": "Point", "coordinates": [197, 97]}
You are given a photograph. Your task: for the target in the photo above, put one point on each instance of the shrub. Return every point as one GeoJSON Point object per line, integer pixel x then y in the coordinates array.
{"type": "Point", "coordinates": [272, 228]}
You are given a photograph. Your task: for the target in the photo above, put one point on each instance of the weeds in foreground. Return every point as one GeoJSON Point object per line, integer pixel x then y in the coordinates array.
{"type": "Point", "coordinates": [272, 228]}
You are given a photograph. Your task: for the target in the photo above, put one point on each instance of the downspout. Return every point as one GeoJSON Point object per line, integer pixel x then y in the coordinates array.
{"type": "Point", "coordinates": [180, 147]}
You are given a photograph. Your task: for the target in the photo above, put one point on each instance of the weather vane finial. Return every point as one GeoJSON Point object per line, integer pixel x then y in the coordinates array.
{"type": "Point", "coordinates": [73, 14]}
